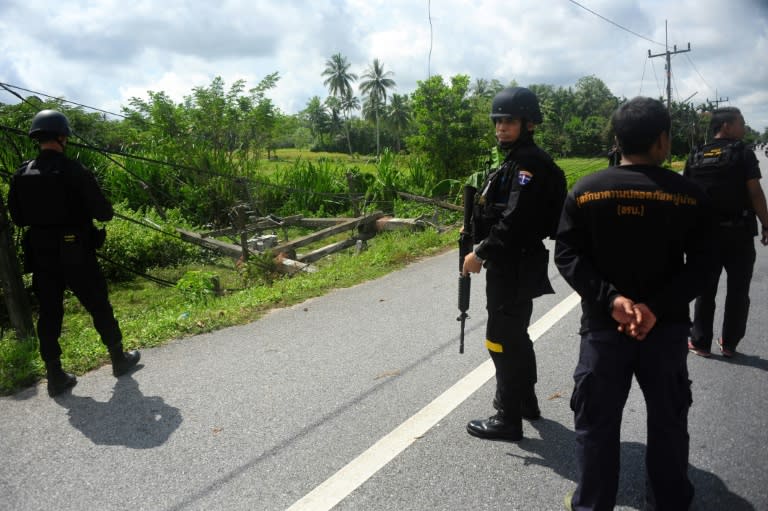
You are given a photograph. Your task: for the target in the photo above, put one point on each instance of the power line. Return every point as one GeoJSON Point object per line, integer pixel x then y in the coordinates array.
{"type": "Point", "coordinates": [616, 24]}
{"type": "Point", "coordinates": [656, 77]}
{"type": "Point", "coordinates": [642, 77]}
{"type": "Point", "coordinates": [176, 166]}
{"type": "Point", "coordinates": [5, 85]}
{"type": "Point", "coordinates": [429, 57]}
{"type": "Point", "coordinates": [697, 72]}
{"type": "Point", "coordinates": [156, 280]}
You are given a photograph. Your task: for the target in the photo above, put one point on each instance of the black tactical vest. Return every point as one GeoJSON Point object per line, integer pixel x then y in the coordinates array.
{"type": "Point", "coordinates": [44, 198]}
{"type": "Point", "coordinates": [716, 168]}
{"type": "Point", "coordinates": [493, 199]}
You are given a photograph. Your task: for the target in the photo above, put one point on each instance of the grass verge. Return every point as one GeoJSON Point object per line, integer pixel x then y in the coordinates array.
{"type": "Point", "coordinates": [151, 315]}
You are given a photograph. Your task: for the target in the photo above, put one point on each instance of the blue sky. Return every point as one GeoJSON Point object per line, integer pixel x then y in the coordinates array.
{"type": "Point", "coordinates": [102, 53]}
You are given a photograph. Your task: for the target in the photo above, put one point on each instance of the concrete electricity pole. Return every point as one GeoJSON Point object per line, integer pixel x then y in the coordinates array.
{"type": "Point", "coordinates": [15, 296]}
{"type": "Point", "coordinates": [668, 54]}
{"type": "Point", "coordinates": [717, 101]}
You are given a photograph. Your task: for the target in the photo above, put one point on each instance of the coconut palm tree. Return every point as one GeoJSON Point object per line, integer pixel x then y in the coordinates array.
{"type": "Point", "coordinates": [339, 82]}
{"type": "Point", "coordinates": [333, 107]}
{"type": "Point", "coordinates": [375, 85]}
{"type": "Point", "coordinates": [349, 103]}
{"type": "Point", "coordinates": [399, 116]}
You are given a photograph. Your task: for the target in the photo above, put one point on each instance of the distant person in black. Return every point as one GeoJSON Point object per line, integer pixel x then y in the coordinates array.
{"type": "Point", "coordinates": [519, 205]}
{"type": "Point", "coordinates": [633, 243]}
{"type": "Point", "coordinates": [614, 156]}
{"type": "Point", "coordinates": [730, 174]}
{"type": "Point", "coordinates": [58, 199]}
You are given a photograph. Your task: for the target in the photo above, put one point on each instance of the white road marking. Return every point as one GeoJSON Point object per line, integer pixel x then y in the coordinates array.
{"type": "Point", "coordinates": [334, 489]}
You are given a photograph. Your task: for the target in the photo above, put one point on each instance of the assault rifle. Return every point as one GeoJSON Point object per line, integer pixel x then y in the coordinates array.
{"type": "Point", "coordinates": [465, 247]}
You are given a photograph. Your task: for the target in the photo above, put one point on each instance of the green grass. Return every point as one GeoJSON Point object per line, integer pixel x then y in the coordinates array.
{"type": "Point", "coordinates": [286, 159]}
{"type": "Point", "coordinates": [151, 315]}
{"type": "Point", "coordinates": [576, 168]}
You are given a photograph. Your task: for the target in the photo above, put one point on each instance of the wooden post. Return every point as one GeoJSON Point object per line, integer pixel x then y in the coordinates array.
{"type": "Point", "coordinates": [16, 299]}
{"type": "Point", "coordinates": [353, 181]}
{"type": "Point", "coordinates": [427, 200]}
{"type": "Point", "coordinates": [240, 221]}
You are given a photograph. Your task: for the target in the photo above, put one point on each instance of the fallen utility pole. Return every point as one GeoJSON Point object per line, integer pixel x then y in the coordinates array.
{"type": "Point", "coordinates": [16, 300]}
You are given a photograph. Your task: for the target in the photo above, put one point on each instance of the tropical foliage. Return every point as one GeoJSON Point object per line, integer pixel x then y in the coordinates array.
{"type": "Point", "coordinates": [216, 150]}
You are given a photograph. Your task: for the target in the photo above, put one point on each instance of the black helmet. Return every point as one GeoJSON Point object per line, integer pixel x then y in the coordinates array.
{"type": "Point", "coordinates": [49, 122]}
{"type": "Point", "coordinates": [516, 102]}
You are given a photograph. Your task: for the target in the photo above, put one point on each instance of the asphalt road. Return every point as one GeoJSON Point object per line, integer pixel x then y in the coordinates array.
{"type": "Point", "coordinates": [358, 400]}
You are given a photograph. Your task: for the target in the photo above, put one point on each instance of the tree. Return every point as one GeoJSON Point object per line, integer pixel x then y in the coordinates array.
{"type": "Point", "coordinates": [557, 107]}
{"type": "Point", "coordinates": [333, 106]}
{"type": "Point", "coordinates": [483, 88]}
{"type": "Point", "coordinates": [316, 116]}
{"type": "Point", "coordinates": [445, 135]}
{"type": "Point", "coordinates": [399, 116]}
{"type": "Point", "coordinates": [349, 103]}
{"type": "Point", "coordinates": [377, 82]}
{"type": "Point", "coordinates": [593, 98]}
{"type": "Point", "coordinates": [339, 82]}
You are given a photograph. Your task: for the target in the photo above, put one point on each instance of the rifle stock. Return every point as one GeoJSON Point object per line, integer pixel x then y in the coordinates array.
{"type": "Point", "coordinates": [465, 247]}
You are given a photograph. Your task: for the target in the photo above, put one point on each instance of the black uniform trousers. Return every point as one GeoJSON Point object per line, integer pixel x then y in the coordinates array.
{"type": "Point", "coordinates": [603, 376]}
{"type": "Point", "coordinates": [734, 251]}
{"type": "Point", "coordinates": [88, 284]}
{"type": "Point", "coordinates": [508, 342]}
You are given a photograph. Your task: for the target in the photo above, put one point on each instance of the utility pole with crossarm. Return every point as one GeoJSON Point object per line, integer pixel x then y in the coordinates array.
{"type": "Point", "coordinates": [669, 54]}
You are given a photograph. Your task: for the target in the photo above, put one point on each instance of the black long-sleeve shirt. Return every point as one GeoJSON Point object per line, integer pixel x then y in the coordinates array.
{"type": "Point", "coordinates": [56, 191]}
{"type": "Point", "coordinates": [532, 208]}
{"type": "Point", "coordinates": [638, 231]}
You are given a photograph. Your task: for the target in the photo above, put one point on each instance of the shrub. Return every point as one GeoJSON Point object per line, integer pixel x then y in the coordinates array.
{"type": "Point", "coordinates": [138, 248]}
{"type": "Point", "coordinates": [198, 286]}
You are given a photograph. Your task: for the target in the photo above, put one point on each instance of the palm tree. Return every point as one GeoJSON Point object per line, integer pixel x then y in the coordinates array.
{"type": "Point", "coordinates": [349, 103]}
{"type": "Point", "coordinates": [399, 115]}
{"type": "Point", "coordinates": [333, 107]}
{"type": "Point", "coordinates": [339, 83]}
{"type": "Point", "coordinates": [316, 117]}
{"type": "Point", "coordinates": [376, 83]}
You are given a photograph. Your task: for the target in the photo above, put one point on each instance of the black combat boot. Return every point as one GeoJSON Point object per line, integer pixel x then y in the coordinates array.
{"type": "Point", "coordinates": [123, 361]}
{"type": "Point", "coordinates": [58, 380]}
{"type": "Point", "coordinates": [529, 406]}
{"type": "Point", "coordinates": [497, 427]}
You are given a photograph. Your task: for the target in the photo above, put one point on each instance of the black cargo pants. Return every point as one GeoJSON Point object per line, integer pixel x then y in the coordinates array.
{"type": "Point", "coordinates": [607, 362]}
{"type": "Point", "coordinates": [90, 287]}
{"type": "Point", "coordinates": [508, 342]}
{"type": "Point", "coordinates": [734, 249]}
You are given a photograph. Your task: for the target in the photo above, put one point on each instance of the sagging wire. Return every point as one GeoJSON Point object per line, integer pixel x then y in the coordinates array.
{"type": "Point", "coordinates": [151, 278]}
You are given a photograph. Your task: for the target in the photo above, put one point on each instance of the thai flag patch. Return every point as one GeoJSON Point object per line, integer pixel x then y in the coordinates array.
{"type": "Point", "coordinates": [524, 177]}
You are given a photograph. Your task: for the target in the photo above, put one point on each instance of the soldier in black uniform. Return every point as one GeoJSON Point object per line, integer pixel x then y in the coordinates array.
{"type": "Point", "coordinates": [58, 199]}
{"type": "Point", "coordinates": [730, 174]}
{"type": "Point", "coordinates": [633, 242]}
{"type": "Point", "coordinates": [518, 207]}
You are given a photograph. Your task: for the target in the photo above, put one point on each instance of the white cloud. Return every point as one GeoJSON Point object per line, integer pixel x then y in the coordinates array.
{"type": "Point", "coordinates": [103, 53]}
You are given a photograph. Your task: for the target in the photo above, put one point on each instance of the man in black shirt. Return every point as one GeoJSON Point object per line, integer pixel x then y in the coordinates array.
{"type": "Point", "coordinates": [58, 199]}
{"type": "Point", "coordinates": [730, 174]}
{"type": "Point", "coordinates": [633, 243]}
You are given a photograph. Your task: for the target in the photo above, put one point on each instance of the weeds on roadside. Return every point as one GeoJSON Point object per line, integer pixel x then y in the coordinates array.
{"type": "Point", "coordinates": [151, 315]}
